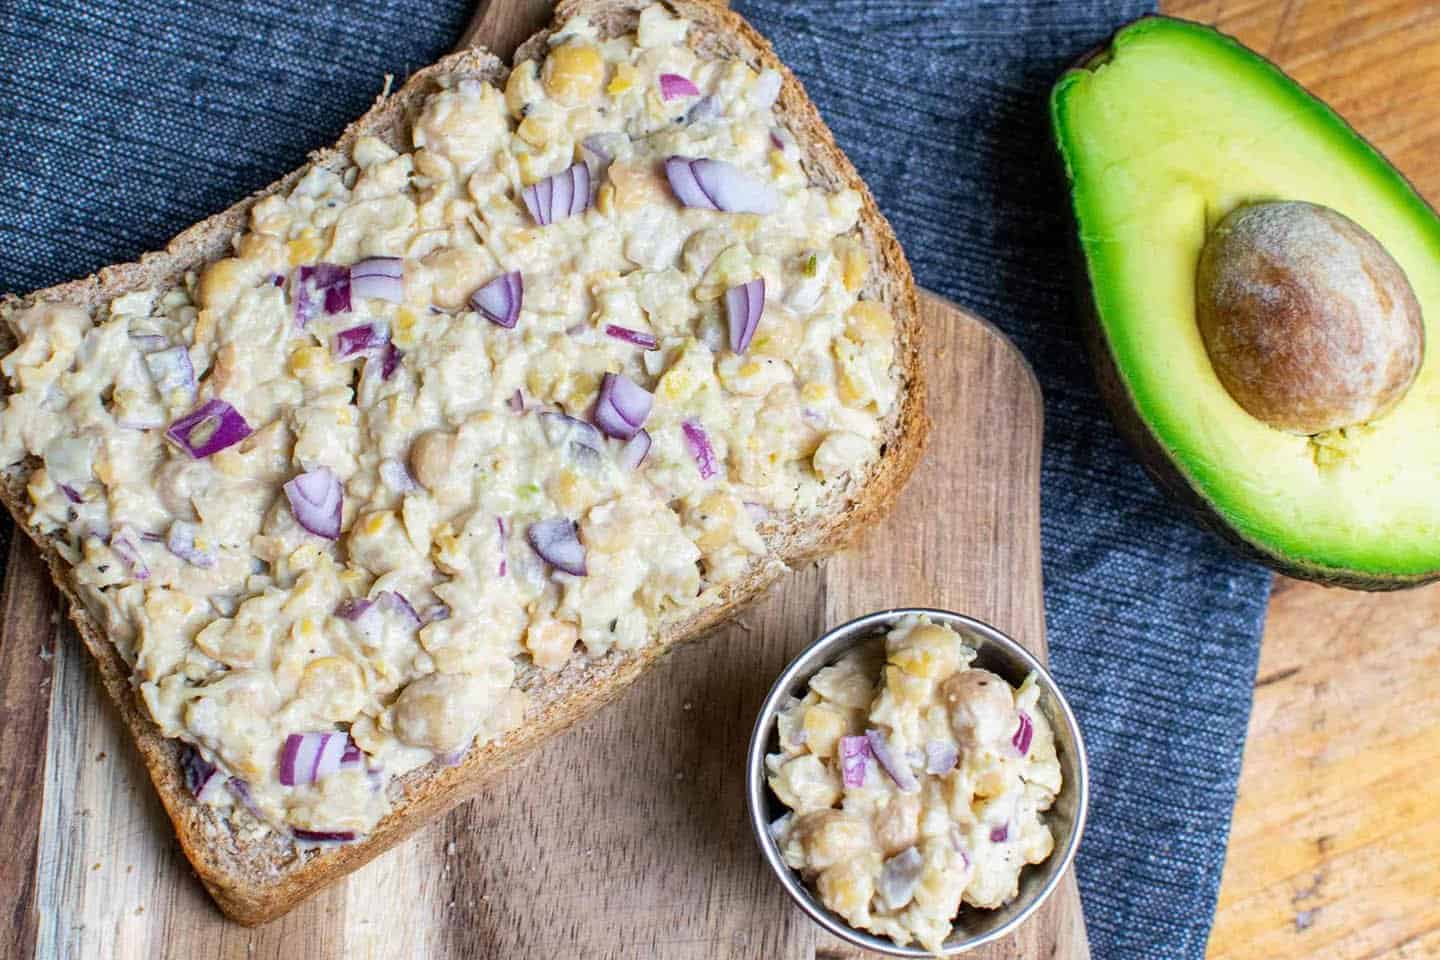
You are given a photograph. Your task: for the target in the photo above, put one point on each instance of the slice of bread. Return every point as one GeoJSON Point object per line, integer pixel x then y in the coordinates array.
{"type": "Point", "coordinates": [255, 881]}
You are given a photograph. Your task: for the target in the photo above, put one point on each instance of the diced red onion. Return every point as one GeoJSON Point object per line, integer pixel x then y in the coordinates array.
{"type": "Point", "coordinates": [766, 90]}
{"type": "Point", "coordinates": [706, 108]}
{"type": "Point", "coordinates": [558, 543]}
{"type": "Point", "coordinates": [899, 877]}
{"type": "Point", "coordinates": [940, 757]}
{"type": "Point", "coordinates": [323, 285]}
{"type": "Point", "coordinates": [202, 777]}
{"type": "Point", "coordinates": [559, 427]}
{"type": "Point", "coordinates": [499, 300]}
{"type": "Point", "coordinates": [1000, 834]}
{"type": "Point", "coordinates": [599, 145]}
{"type": "Point", "coordinates": [718, 185]}
{"type": "Point", "coordinates": [673, 86]}
{"type": "Point", "coordinates": [361, 339]}
{"type": "Point", "coordinates": [700, 449]}
{"type": "Point", "coordinates": [396, 601]}
{"type": "Point", "coordinates": [622, 407]}
{"type": "Point", "coordinates": [149, 342]}
{"type": "Point", "coordinates": [323, 836]}
{"type": "Point", "coordinates": [149, 537]}
{"type": "Point", "coordinates": [353, 758]}
{"type": "Point", "coordinates": [758, 511]}
{"type": "Point", "coordinates": [1023, 734]}
{"type": "Point", "coordinates": [636, 449]}
{"type": "Point", "coordinates": [379, 277]}
{"type": "Point", "coordinates": [316, 499]}
{"type": "Point", "coordinates": [559, 196]}
{"type": "Point", "coordinates": [854, 758]}
{"type": "Point", "coordinates": [390, 361]}
{"type": "Point", "coordinates": [638, 337]}
{"type": "Point", "coordinates": [241, 789]}
{"type": "Point", "coordinates": [173, 374]}
{"type": "Point", "coordinates": [744, 304]}
{"type": "Point", "coordinates": [126, 544]}
{"type": "Point", "coordinates": [311, 757]}
{"type": "Point", "coordinates": [517, 401]}
{"type": "Point", "coordinates": [396, 477]}
{"type": "Point", "coordinates": [442, 611]}
{"type": "Point", "coordinates": [353, 609]}
{"type": "Point", "coordinates": [208, 429]}
{"type": "Point", "coordinates": [181, 542]}
{"type": "Point", "coordinates": [276, 279]}
{"type": "Point", "coordinates": [71, 493]}
{"type": "Point", "coordinates": [892, 765]}
{"type": "Point", "coordinates": [500, 570]}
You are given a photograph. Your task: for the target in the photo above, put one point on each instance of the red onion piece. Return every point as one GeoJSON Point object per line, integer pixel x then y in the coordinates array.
{"type": "Point", "coordinates": [353, 609]}
{"type": "Point", "coordinates": [636, 449]}
{"type": "Point", "coordinates": [440, 611]}
{"type": "Point", "coordinates": [718, 185]}
{"type": "Point", "coordinates": [202, 777]}
{"type": "Point", "coordinates": [316, 499]}
{"type": "Point", "coordinates": [396, 477]}
{"type": "Point", "coordinates": [1023, 734]}
{"type": "Point", "coordinates": [353, 758]}
{"type": "Point", "coordinates": [558, 543]}
{"type": "Point", "coordinates": [499, 571]}
{"type": "Point", "coordinates": [560, 427]}
{"type": "Point", "coordinates": [241, 789]}
{"type": "Point", "coordinates": [323, 836]}
{"type": "Point", "coordinates": [71, 493]}
{"type": "Point", "coordinates": [744, 305]}
{"type": "Point", "coordinates": [395, 601]}
{"type": "Point", "coordinates": [500, 299]}
{"type": "Point", "coordinates": [622, 407]}
{"type": "Point", "coordinates": [310, 757]}
{"type": "Point", "coordinates": [1000, 834]}
{"type": "Point", "coordinates": [638, 337]}
{"type": "Point", "coordinates": [899, 877]}
{"type": "Point", "coordinates": [517, 401]}
{"type": "Point", "coordinates": [181, 542]}
{"type": "Point", "coordinates": [379, 277]}
{"type": "Point", "coordinates": [326, 285]}
{"type": "Point", "coordinates": [209, 428]}
{"type": "Point", "coordinates": [897, 770]}
{"type": "Point", "coordinates": [276, 279]}
{"type": "Point", "coordinates": [390, 361]}
{"type": "Point", "coordinates": [940, 757]}
{"type": "Point", "coordinates": [699, 444]}
{"type": "Point", "coordinates": [126, 544]}
{"type": "Point", "coordinates": [173, 374]}
{"type": "Point", "coordinates": [361, 339]}
{"type": "Point", "coordinates": [854, 759]}
{"type": "Point", "coordinates": [673, 86]}
{"type": "Point", "coordinates": [706, 108]}
{"type": "Point", "coordinates": [558, 196]}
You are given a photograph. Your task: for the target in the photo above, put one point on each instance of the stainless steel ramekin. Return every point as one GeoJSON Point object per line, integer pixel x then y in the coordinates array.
{"type": "Point", "coordinates": [997, 653]}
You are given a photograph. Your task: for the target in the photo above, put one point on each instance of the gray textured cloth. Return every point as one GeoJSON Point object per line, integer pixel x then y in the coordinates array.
{"type": "Point", "coordinates": [123, 122]}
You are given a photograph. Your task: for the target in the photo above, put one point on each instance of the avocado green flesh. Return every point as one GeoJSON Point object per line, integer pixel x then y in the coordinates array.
{"type": "Point", "coordinates": [1175, 128]}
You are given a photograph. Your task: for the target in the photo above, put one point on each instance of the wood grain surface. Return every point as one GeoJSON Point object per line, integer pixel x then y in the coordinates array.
{"type": "Point", "coordinates": [626, 837]}
{"type": "Point", "coordinates": [1335, 848]}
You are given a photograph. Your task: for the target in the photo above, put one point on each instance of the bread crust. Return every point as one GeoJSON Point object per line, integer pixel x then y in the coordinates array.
{"type": "Point", "coordinates": [254, 881]}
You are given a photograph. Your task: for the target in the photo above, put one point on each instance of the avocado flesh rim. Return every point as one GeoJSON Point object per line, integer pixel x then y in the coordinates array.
{"type": "Point", "coordinates": [1177, 126]}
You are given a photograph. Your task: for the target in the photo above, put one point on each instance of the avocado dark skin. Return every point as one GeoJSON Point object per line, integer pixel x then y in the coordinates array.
{"type": "Point", "coordinates": [1158, 461]}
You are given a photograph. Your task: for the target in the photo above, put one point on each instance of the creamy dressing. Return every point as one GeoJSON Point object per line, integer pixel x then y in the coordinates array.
{"type": "Point", "coordinates": [446, 462]}
{"type": "Point", "coordinates": [916, 782]}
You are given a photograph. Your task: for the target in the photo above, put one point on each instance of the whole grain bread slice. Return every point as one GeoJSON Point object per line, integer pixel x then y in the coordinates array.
{"type": "Point", "coordinates": [256, 879]}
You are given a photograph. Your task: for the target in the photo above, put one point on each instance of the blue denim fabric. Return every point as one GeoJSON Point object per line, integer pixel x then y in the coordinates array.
{"type": "Point", "coordinates": [122, 122]}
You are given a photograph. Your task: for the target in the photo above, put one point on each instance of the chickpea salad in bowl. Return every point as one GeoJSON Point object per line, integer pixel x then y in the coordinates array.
{"type": "Point", "coordinates": [916, 784]}
{"type": "Point", "coordinates": [513, 393]}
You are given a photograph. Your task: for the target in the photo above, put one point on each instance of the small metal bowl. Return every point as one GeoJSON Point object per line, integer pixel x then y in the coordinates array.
{"type": "Point", "coordinates": [1066, 819]}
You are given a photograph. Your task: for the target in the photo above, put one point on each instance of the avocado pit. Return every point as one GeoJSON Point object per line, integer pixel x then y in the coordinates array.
{"type": "Point", "coordinates": [1309, 322]}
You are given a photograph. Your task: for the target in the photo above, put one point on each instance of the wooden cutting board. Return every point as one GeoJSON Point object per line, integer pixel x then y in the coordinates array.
{"type": "Point", "coordinates": [626, 837]}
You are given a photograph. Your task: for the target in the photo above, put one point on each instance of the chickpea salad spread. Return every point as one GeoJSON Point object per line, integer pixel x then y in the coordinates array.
{"type": "Point", "coordinates": [916, 783]}
{"type": "Point", "coordinates": [449, 414]}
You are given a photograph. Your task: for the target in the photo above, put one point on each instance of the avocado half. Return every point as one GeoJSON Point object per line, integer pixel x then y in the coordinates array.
{"type": "Point", "coordinates": [1161, 134]}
